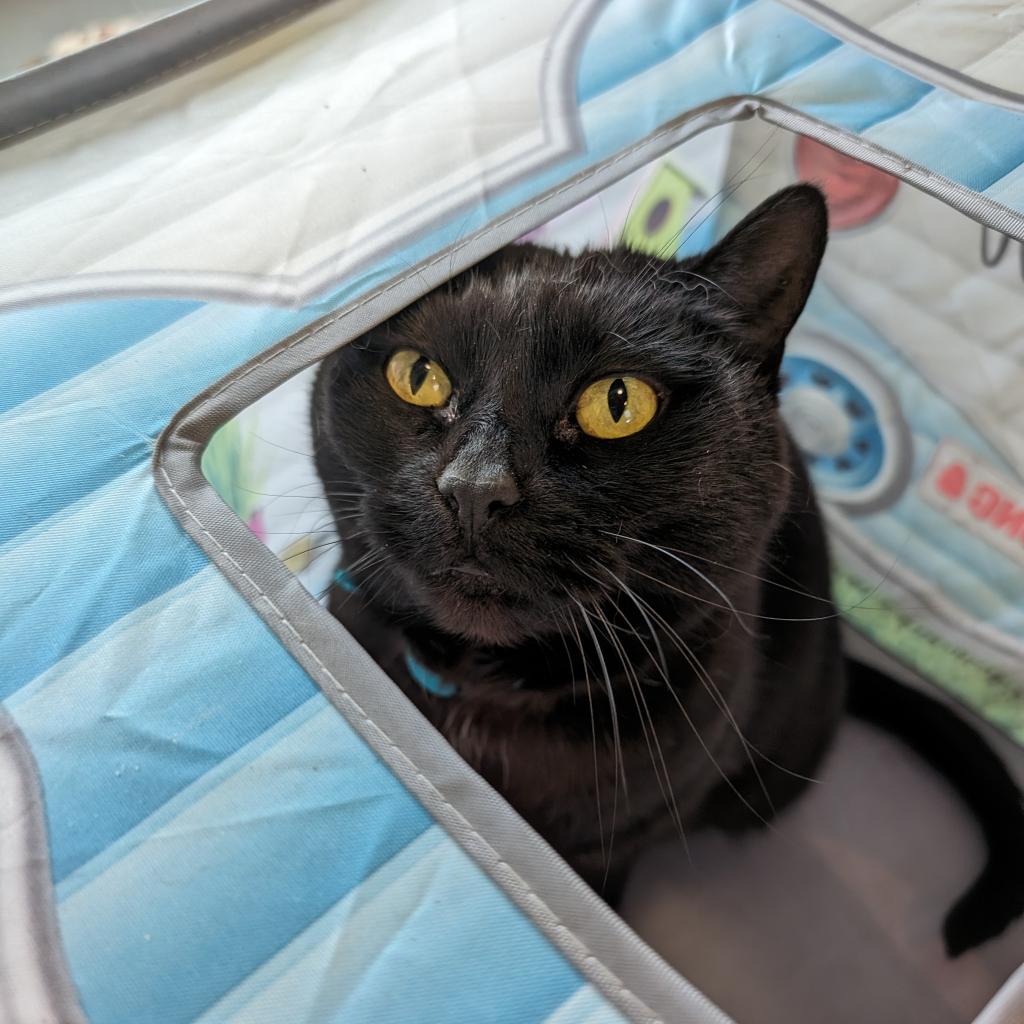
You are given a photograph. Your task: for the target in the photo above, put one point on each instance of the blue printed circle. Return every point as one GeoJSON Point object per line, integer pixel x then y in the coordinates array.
{"type": "Point", "coordinates": [834, 423]}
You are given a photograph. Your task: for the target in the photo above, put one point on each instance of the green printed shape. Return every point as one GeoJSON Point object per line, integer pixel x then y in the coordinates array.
{"type": "Point", "coordinates": [229, 463]}
{"type": "Point", "coordinates": [986, 689]}
{"type": "Point", "coordinates": [656, 221]}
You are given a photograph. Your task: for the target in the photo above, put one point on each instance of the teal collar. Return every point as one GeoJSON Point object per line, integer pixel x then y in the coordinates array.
{"type": "Point", "coordinates": [430, 681]}
{"type": "Point", "coordinates": [345, 581]}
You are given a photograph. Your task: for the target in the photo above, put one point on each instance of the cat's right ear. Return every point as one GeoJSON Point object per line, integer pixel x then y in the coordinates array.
{"type": "Point", "coordinates": [762, 271]}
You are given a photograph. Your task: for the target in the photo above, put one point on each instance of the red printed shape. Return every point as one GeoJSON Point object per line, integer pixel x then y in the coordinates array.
{"type": "Point", "coordinates": [952, 480]}
{"type": "Point", "coordinates": [856, 191]}
{"type": "Point", "coordinates": [983, 500]}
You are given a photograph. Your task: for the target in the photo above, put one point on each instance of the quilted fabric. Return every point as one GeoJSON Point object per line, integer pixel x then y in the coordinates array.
{"type": "Point", "coordinates": [190, 831]}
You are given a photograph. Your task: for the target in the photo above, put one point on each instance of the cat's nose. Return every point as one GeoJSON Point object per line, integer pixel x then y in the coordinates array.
{"type": "Point", "coordinates": [479, 493]}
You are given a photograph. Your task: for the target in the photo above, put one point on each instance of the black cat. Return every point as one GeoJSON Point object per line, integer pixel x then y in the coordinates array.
{"type": "Point", "coordinates": [578, 536]}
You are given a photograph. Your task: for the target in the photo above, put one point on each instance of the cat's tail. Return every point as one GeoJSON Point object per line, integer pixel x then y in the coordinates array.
{"type": "Point", "coordinates": [955, 749]}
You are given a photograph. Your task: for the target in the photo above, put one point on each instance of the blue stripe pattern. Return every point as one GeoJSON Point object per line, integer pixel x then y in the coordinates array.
{"type": "Point", "coordinates": [271, 848]}
{"type": "Point", "coordinates": [42, 346]}
{"type": "Point", "coordinates": [72, 573]}
{"type": "Point", "coordinates": [225, 847]}
{"type": "Point", "coordinates": [627, 39]}
{"type": "Point", "coordinates": [145, 727]}
{"type": "Point", "coordinates": [116, 410]}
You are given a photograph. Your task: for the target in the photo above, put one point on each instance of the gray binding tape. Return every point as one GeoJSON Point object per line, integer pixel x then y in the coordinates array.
{"type": "Point", "coordinates": [39, 986]}
{"type": "Point", "coordinates": [1007, 1005]}
{"type": "Point", "coordinates": [907, 60]}
{"type": "Point", "coordinates": [609, 955]}
{"type": "Point", "coordinates": [626, 971]}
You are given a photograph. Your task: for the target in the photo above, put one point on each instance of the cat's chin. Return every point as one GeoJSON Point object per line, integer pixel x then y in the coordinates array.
{"type": "Point", "coordinates": [486, 621]}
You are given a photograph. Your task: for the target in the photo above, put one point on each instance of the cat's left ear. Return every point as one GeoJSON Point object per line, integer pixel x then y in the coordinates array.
{"type": "Point", "coordinates": [765, 267]}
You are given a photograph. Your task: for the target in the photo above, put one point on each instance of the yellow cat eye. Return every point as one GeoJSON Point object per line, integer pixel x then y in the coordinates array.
{"type": "Point", "coordinates": [616, 407]}
{"type": "Point", "coordinates": [418, 380]}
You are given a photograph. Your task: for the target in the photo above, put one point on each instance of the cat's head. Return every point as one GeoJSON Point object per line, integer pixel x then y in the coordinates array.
{"type": "Point", "coordinates": [514, 442]}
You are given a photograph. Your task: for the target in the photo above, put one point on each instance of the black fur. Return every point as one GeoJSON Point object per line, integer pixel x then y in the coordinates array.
{"type": "Point", "coordinates": [641, 629]}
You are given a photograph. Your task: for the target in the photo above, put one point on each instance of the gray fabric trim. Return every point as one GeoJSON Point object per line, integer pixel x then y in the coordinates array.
{"type": "Point", "coordinates": [44, 96]}
{"type": "Point", "coordinates": [585, 930]}
{"type": "Point", "coordinates": [593, 937]}
{"type": "Point", "coordinates": [974, 205]}
{"type": "Point", "coordinates": [39, 986]}
{"type": "Point", "coordinates": [907, 60]}
{"type": "Point", "coordinates": [1007, 1005]}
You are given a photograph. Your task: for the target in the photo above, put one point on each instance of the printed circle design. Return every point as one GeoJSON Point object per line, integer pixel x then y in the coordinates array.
{"type": "Point", "coordinates": [833, 422]}
{"type": "Point", "coordinates": [848, 426]}
{"type": "Point", "coordinates": [856, 192]}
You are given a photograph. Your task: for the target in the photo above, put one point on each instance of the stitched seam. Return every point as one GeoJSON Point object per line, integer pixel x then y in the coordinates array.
{"type": "Point", "coordinates": [398, 754]}
{"type": "Point", "coordinates": [165, 73]}
{"type": "Point", "coordinates": [852, 33]}
{"type": "Point", "coordinates": [959, 197]}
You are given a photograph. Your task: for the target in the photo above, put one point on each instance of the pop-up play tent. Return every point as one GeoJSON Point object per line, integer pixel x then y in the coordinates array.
{"type": "Point", "coordinates": [213, 806]}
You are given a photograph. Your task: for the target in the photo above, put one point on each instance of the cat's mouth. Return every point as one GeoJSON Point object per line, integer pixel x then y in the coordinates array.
{"type": "Point", "coordinates": [469, 600]}
{"type": "Point", "coordinates": [472, 569]}
{"type": "Point", "coordinates": [472, 580]}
